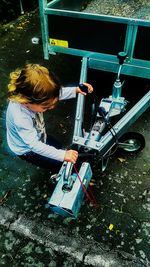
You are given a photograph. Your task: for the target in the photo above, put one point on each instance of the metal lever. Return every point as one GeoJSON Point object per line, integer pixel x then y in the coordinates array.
{"type": "Point", "coordinates": [122, 56]}
{"type": "Point", "coordinates": [117, 86]}
{"type": "Point", "coordinates": [67, 178]}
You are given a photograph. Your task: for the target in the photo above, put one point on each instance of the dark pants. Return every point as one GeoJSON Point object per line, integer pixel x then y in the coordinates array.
{"type": "Point", "coordinates": [44, 162]}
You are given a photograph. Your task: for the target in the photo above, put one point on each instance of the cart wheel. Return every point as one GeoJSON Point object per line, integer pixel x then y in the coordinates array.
{"type": "Point", "coordinates": [136, 140]}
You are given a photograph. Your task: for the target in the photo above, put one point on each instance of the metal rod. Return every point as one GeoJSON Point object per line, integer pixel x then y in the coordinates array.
{"type": "Point", "coordinates": [21, 7]}
{"type": "Point", "coordinates": [80, 101]}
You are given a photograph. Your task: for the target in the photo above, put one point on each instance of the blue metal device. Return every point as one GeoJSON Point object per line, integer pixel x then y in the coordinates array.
{"type": "Point", "coordinates": [114, 45]}
{"type": "Point", "coordinates": [68, 194]}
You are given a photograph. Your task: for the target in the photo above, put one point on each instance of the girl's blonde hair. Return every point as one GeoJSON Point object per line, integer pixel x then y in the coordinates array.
{"type": "Point", "coordinates": [33, 84]}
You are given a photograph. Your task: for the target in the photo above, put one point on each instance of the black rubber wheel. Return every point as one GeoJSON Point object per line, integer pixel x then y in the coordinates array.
{"type": "Point", "coordinates": [137, 141]}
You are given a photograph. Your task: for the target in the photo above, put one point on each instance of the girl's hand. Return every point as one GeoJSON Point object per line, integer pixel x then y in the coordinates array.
{"type": "Point", "coordinates": [71, 156]}
{"type": "Point", "coordinates": [89, 87]}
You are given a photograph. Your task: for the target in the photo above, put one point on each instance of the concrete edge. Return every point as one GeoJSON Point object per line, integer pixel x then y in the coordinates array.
{"type": "Point", "coordinates": [87, 252]}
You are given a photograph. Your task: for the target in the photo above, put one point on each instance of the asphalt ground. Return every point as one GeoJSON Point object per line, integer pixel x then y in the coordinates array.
{"type": "Point", "coordinates": [32, 235]}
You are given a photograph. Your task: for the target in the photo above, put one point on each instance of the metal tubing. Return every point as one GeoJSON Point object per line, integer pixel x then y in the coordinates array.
{"type": "Point", "coordinates": [138, 68]}
{"type": "Point", "coordinates": [44, 27]}
{"type": "Point", "coordinates": [92, 16]}
{"type": "Point", "coordinates": [21, 7]}
{"type": "Point", "coordinates": [132, 115]}
{"type": "Point", "coordinates": [80, 101]}
{"type": "Point", "coordinates": [130, 40]}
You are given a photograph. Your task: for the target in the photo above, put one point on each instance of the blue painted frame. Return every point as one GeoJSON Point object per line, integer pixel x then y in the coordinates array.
{"type": "Point", "coordinates": [133, 66]}
{"type": "Point", "coordinates": [100, 61]}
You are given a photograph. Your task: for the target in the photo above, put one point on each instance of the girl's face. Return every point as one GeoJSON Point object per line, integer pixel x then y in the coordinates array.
{"type": "Point", "coordinates": [50, 104]}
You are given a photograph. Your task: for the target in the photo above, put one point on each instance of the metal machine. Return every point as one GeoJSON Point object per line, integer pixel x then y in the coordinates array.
{"type": "Point", "coordinates": [68, 194]}
{"type": "Point", "coordinates": [113, 45]}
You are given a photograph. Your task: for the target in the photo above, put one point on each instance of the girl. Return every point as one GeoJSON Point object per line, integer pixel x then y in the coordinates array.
{"type": "Point", "coordinates": [32, 91]}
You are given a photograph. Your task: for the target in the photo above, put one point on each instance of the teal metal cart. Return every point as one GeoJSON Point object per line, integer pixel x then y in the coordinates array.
{"type": "Point", "coordinates": [107, 45]}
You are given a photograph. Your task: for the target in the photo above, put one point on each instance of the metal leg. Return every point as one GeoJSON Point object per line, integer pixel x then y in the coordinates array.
{"type": "Point", "coordinates": [21, 7]}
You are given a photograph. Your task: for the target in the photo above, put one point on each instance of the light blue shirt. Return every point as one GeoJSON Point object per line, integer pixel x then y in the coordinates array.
{"type": "Point", "coordinates": [23, 137]}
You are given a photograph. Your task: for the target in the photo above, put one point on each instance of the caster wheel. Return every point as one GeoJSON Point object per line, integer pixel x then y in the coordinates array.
{"type": "Point", "coordinates": [136, 142]}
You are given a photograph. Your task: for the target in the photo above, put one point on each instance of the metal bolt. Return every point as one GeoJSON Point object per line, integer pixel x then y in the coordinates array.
{"type": "Point", "coordinates": [98, 145]}
{"type": "Point", "coordinates": [78, 118]}
{"type": "Point", "coordinates": [35, 40]}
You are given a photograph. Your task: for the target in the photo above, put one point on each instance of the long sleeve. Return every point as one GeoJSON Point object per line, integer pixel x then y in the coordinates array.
{"type": "Point", "coordinates": [67, 92]}
{"type": "Point", "coordinates": [29, 136]}
{"type": "Point", "coordinates": [22, 136]}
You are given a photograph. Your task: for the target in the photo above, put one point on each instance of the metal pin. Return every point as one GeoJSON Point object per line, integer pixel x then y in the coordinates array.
{"type": "Point", "coordinates": [21, 7]}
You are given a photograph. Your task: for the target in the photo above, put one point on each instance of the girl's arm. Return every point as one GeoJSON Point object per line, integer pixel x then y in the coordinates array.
{"type": "Point", "coordinates": [71, 91]}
